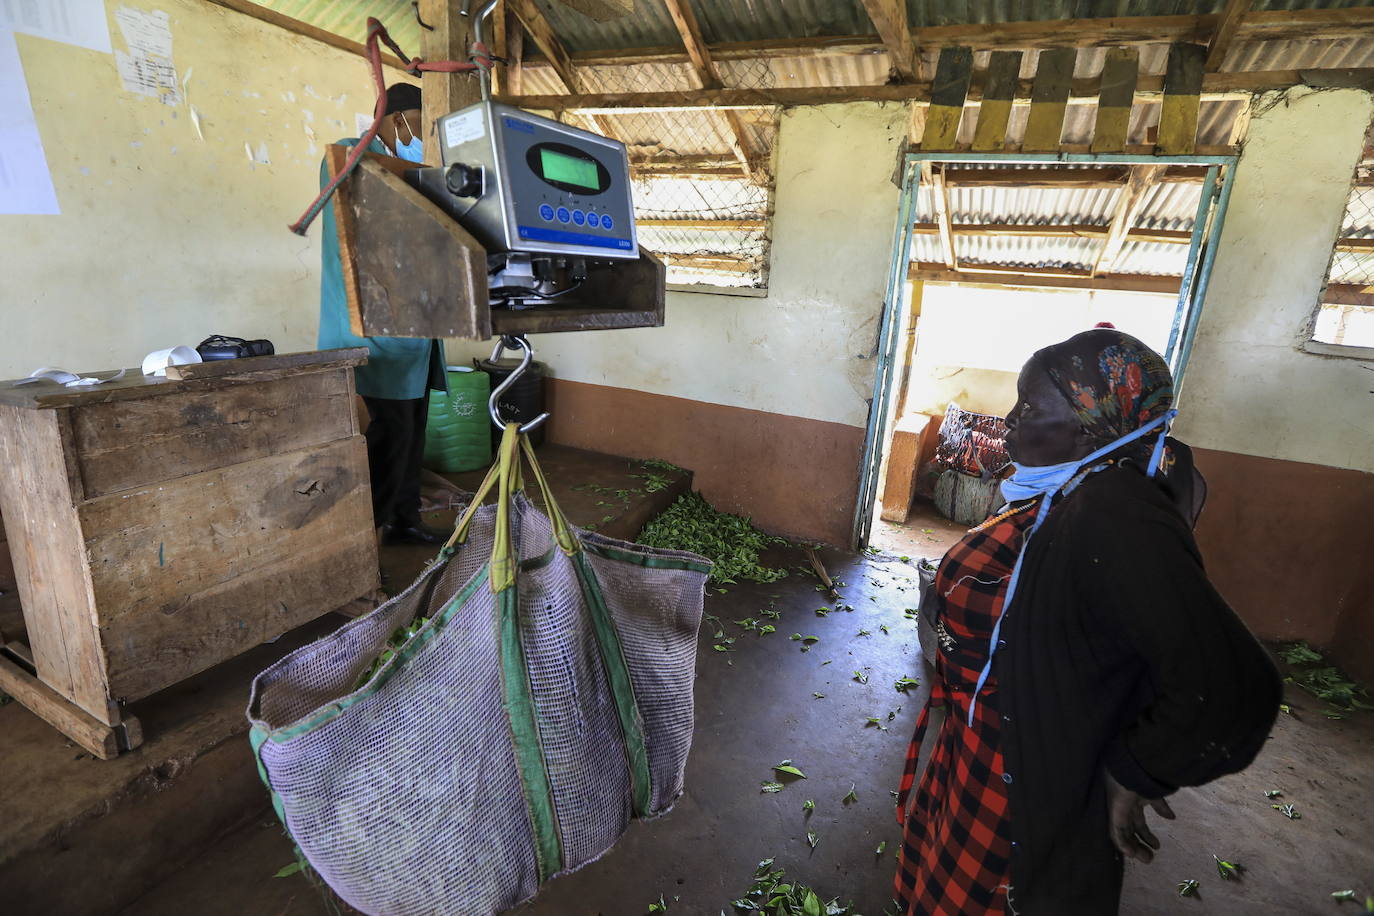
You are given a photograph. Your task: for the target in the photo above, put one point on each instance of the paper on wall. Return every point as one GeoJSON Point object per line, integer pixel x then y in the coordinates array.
{"type": "Point", "coordinates": [25, 184]}
{"type": "Point", "coordinates": [146, 68]}
{"type": "Point", "coordinates": [76, 22]}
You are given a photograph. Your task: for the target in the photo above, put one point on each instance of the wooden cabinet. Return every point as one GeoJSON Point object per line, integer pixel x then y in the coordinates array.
{"type": "Point", "coordinates": [158, 527]}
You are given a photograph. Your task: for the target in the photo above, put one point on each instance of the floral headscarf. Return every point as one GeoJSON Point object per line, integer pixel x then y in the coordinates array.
{"type": "Point", "coordinates": [1113, 382]}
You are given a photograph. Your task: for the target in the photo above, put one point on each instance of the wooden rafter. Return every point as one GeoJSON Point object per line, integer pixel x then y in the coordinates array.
{"type": "Point", "coordinates": [1004, 275]}
{"type": "Point", "coordinates": [551, 46]}
{"type": "Point", "coordinates": [890, 19]}
{"type": "Point", "coordinates": [1215, 87]}
{"type": "Point", "coordinates": [1062, 231]}
{"type": "Point", "coordinates": [737, 132]}
{"type": "Point", "coordinates": [935, 181]}
{"type": "Point", "coordinates": [1128, 207]}
{"type": "Point", "coordinates": [1107, 176]}
{"type": "Point", "coordinates": [1232, 15]}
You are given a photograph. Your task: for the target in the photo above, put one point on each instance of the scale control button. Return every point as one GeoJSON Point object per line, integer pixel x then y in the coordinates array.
{"type": "Point", "coordinates": [606, 222]}
{"type": "Point", "coordinates": [579, 217]}
{"type": "Point", "coordinates": [593, 220]}
{"type": "Point", "coordinates": [546, 213]}
{"type": "Point", "coordinates": [563, 215]}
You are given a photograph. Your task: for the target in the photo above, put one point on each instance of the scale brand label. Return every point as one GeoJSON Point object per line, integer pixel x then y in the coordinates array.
{"type": "Point", "coordinates": [467, 126]}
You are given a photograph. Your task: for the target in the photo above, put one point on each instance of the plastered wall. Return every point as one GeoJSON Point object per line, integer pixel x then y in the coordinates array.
{"type": "Point", "coordinates": [167, 235]}
{"type": "Point", "coordinates": [807, 349]}
{"type": "Point", "coordinates": [1249, 386]}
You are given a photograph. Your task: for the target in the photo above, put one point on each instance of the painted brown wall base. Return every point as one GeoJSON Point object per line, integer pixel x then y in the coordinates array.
{"type": "Point", "coordinates": [793, 476]}
{"type": "Point", "coordinates": [1290, 546]}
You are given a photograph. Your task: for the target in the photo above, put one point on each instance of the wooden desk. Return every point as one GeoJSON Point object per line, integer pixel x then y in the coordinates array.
{"type": "Point", "coordinates": [158, 527]}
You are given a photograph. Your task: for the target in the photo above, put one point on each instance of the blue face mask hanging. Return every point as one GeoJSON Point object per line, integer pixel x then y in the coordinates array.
{"type": "Point", "coordinates": [412, 151]}
{"type": "Point", "coordinates": [1030, 481]}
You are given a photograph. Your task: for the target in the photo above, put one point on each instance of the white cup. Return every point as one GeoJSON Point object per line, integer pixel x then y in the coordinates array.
{"type": "Point", "coordinates": [156, 362]}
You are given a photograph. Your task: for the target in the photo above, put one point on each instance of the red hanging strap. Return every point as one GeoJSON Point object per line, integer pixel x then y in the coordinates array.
{"type": "Point", "coordinates": [480, 59]}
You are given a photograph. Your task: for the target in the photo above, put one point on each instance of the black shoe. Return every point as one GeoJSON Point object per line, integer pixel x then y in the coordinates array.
{"type": "Point", "coordinates": [412, 533]}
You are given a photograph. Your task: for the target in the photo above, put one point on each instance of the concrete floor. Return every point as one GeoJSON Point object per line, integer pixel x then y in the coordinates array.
{"type": "Point", "coordinates": [753, 713]}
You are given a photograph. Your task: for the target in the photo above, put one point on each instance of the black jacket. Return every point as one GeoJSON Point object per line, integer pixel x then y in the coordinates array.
{"type": "Point", "coordinates": [1116, 652]}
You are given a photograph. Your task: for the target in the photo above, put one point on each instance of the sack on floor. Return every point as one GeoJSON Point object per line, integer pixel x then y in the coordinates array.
{"type": "Point", "coordinates": [546, 700]}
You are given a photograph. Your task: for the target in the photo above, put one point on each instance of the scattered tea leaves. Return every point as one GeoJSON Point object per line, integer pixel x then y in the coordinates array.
{"type": "Point", "coordinates": [882, 847]}
{"type": "Point", "coordinates": [883, 627]}
{"type": "Point", "coordinates": [1287, 811]}
{"type": "Point", "coordinates": [1187, 888]}
{"type": "Point", "coordinates": [773, 894]}
{"type": "Point", "coordinates": [876, 722]}
{"type": "Point", "coordinates": [729, 541]}
{"type": "Point", "coordinates": [1285, 709]}
{"type": "Point", "coordinates": [1229, 871]}
{"type": "Point", "coordinates": [772, 787]}
{"type": "Point", "coordinates": [1272, 793]}
{"type": "Point", "coordinates": [787, 767]}
{"type": "Point", "coordinates": [861, 677]}
{"type": "Point", "coordinates": [903, 684]}
{"type": "Point", "coordinates": [1343, 895]}
{"type": "Point", "coordinates": [822, 611]}
{"type": "Point", "coordinates": [287, 871]}
{"type": "Point", "coordinates": [851, 797]}
{"type": "Point", "coordinates": [819, 696]}
{"type": "Point", "coordinates": [659, 907]}
{"type": "Point", "coordinates": [863, 632]}
{"type": "Point", "coordinates": [812, 839]}
{"type": "Point", "coordinates": [1299, 653]}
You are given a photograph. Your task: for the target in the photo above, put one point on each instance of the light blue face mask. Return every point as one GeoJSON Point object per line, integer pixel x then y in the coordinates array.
{"type": "Point", "coordinates": [1033, 480]}
{"type": "Point", "coordinates": [412, 151]}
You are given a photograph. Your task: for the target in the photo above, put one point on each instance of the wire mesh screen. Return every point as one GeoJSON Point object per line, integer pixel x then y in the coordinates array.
{"type": "Point", "coordinates": [702, 178]}
{"type": "Point", "coordinates": [1346, 315]}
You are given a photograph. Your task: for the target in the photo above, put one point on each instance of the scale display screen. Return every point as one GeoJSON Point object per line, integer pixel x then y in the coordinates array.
{"type": "Point", "coordinates": [572, 170]}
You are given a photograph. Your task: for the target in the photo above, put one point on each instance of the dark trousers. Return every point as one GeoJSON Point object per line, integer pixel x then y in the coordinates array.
{"type": "Point", "coordinates": [395, 447]}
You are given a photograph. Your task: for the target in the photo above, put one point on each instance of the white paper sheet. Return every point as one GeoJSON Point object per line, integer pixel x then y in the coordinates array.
{"type": "Point", "coordinates": [146, 68]}
{"type": "Point", "coordinates": [25, 185]}
{"type": "Point", "coordinates": [76, 22]}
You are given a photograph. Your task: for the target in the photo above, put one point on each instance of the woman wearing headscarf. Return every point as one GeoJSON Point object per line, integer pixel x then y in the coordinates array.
{"type": "Point", "coordinates": [1086, 666]}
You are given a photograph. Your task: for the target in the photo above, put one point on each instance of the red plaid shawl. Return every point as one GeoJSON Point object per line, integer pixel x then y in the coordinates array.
{"type": "Point", "coordinates": [956, 845]}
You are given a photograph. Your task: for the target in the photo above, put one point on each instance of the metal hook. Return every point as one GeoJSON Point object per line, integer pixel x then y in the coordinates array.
{"type": "Point", "coordinates": [423, 24]}
{"type": "Point", "coordinates": [512, 342]}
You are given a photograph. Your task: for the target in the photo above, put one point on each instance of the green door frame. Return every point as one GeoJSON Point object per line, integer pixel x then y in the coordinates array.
{"type": "Point", "coordinates": [1202, 249]}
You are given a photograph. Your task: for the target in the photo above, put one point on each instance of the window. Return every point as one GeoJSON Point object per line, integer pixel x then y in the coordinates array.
{"type": "Point", "coordinates": [1345, 316]}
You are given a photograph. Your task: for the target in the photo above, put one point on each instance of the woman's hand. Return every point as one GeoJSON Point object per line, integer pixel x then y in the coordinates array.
{"type": "Point", "coordinates": [1126, 820]}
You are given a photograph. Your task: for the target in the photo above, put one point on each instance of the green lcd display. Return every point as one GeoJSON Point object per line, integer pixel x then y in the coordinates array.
{"type": "Point", "coordinates": [560, 167]}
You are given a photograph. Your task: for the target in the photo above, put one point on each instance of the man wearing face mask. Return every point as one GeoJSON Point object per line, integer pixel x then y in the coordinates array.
{"type": "Point", "coordinates": [400, 371]}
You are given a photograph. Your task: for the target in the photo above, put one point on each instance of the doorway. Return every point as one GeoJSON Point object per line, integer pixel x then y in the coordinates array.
{"type": "Point", "coordinates": [995, 257]}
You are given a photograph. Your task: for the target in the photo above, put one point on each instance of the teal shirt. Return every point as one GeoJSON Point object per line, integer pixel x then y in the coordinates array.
{"type": "Point", "coordinates": [399, 368]}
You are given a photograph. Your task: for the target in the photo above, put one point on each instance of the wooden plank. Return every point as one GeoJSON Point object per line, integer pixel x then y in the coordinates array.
{"type": "Point", "coordinates": [1119, 72]}
{"type": "Point", "coordinates": [1179, 110]}
{"type": "Point", "coordinates": [1107, 176]}
{"type": "Point", "coordinates": [194, 571]}
{"type": "Point", "coordinates": [736, 132]}
{"type": "Point", "coordinates": [1004, 74]}
{"type": "Point", "coordinates": [631, 296]}
{"type": "Point", "coordinates": [1356, 294]}
{"type": "Point", "coordinates": [443, 93]}
{"type": "Point", "coordinates": [1049, 99]}
{"type": "Point", "coordinates": [934, 179]}
{"type": "Point", "coordinates": [95, 736]}
{"type": "Point", "coordinates": [1066, 231]}
{"type": "Point", "coordinates": [1128, 206]}
{"type": "Point", "coordinates": [410, 269]}
{"type": "Point", "coordinates": [952, 73]}
{"type": "Point", "coordinates": [296, 26]}
{"type": "Point", "coordinates": [1306, 25]}
{"type": "Point", "coordinates": [890, 19]}
{"type": "Point", "coordinates": [1225, 33]}
{"type": "Point", "coordinates": [546, 39]}
{"type": "Point", "coordinates": [309, 359]}
{"type": "Point", "coordinates": [1012, 275]}
{"type": "Point", "coordinates": [46, 546]}
{"type": "Point", "coordinates": [131, 444]}
{"type": "Point", "coordinates": [514, 70]}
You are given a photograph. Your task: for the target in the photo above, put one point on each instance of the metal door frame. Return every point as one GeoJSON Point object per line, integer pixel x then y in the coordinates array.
{"type": "Point", "coordinates": [1202, 250]}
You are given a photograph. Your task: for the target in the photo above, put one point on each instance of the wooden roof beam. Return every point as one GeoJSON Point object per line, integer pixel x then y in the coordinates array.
{"type": "Point", "coordinates": [1109, 176]}
{"type": "Point", "coordinates": [935, 181]}
{"type": "Point", "coordinates": [890, 19]}
{"type": "Point", "coordinates": [1004, 275]}
{"type": "Point", "coordinates": [1128, 206]}
{"type": "Point", "coordinates": [736, 131]}
{"type": "Point", "coordinates": [1061, 231]}
{"type": "Point", "coordinates": [1225, 34]}
{"type": "Point", "coordinates": [546, 39]}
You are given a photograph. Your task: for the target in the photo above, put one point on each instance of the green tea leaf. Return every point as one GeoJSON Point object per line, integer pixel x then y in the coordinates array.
{"type": "Point", "coordinates": [1272, 793]}
{"type": "Point", "coordinates": [851, 797]}
{"type": "Point", "coordinates": [860, 677]}
{"type": "Point", "coordinates": [819, 696]}
{"type": "Point", "coordinates": [772, 787]}
{"type": "Point", "coordinates": [903, 684]}
{"type": "Point", "coordinates": [808, 640]}
{"type": "Point", "coordinates": [659, 907]}
{"type": "Point", "coordinates": [287, 871]}
{"type": "Point", "coordinates": [808, 805]}
{"type": "Point", "coordinates": [1343, 895]}
{"type": "Point", "coordinates": [812, 838]}
{"type": "Point", "coordinates": [811, 904]}
{"type": "Point", "coordinates": [1229, 871]}
{"type": "Point", "coordinates": [882, 847]}
{"type": "Point", "coordinates": [1187, 888]}
{"type": "Point", "coordinates": [883, 627]}
{"type": "Point", "coordinates": [863, 632]}
{"type": "Point", "coordinates": [1287, 811]}
{"type": "Point", "coordinates": [786, 767]}
{"type": "Point", "coordinates": [1299, 653]}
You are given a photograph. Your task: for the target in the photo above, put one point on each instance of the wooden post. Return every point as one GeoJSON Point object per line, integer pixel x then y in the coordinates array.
{"type": "Point", "coordinates": [1049, 99]}
{"type": "Point", "coordinates": [1128, 207]}
{"type": "Point", "coordinates": [1119, 73]}
{"type": "Point", "coordinates": [952, 74]}
{"type": "Point", "coordinates": [1004, 73]}
{"type": "Point", "coordinates": [444, 92]}
{"type": "Point", "coordinates": [1179, 110]}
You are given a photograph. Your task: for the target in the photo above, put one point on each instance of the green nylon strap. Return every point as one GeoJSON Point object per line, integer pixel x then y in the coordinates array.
{"type": "Point", "coordinates": [502, 562]}
{"type": "Point", "coordinates": [529, 751]}
{"type": "Point", "coordinates": [257, 737]}
{"type": "Point", "coordinates": [622, 688]}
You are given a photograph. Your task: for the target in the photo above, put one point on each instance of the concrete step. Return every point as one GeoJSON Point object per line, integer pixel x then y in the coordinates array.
{"type": "Point", "coordinates": [79, 835]}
